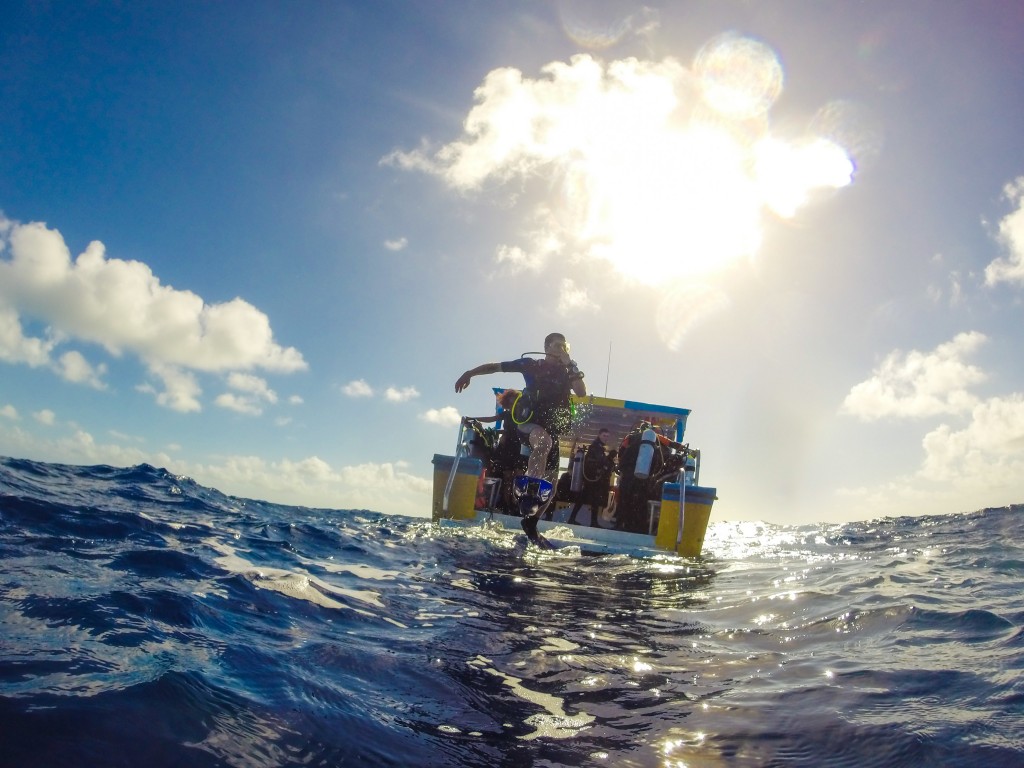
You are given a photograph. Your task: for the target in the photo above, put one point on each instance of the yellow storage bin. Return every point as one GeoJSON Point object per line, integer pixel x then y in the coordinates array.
{"type": "Point", "coordinates": [696, 513]}
{"type": "Point", "coordinates": [462, 497]}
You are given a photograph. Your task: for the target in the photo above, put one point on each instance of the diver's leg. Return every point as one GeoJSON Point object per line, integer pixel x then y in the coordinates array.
{"type": "Point", "coordinates": [540, 447]}
{"type": "Point", "coordinates": [575, 509]}
{"type": "Point", "coordinates": [532, 507]}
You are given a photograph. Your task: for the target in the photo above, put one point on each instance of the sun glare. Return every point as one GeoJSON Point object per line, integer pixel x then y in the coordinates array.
{"type": "Point", "coordinates": [665, 171]}
{"type": "Point", "coordinates": [680, 190]}
{"type": "Point", "coordinates": [678, 203]}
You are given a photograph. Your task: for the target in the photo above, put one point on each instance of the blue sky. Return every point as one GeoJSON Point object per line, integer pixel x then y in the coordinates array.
{"type": "Point", "coordinates": [256, 243]}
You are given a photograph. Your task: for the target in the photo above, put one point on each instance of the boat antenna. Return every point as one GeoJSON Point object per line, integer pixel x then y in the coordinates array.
{"type": "Point", "coordinates": [608, 370]}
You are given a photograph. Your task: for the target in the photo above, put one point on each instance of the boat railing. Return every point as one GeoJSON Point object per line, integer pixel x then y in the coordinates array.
{"type": "Point", "coordinates": [461, 449]}
{"type": "Point", "coordinates": [682, 501]}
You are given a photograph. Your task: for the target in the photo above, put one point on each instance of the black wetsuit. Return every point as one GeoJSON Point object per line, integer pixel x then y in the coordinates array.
{"type": "Point", "coordinates": [546, 402]}
{"type": "Point", "coordinates": [546, 397]}
{"type": "Point", "coordinates": [597, 473]}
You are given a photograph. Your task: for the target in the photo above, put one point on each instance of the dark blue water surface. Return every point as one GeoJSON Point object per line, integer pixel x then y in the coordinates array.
{"type": "Point", "coordinates": [149, 621]}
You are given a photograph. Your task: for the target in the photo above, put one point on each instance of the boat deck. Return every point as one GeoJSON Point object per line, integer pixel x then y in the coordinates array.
{"type": "Point", "coordinates": [591, 540]}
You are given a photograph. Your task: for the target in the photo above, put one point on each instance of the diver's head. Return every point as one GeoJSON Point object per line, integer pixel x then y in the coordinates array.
{"type": "Point", "coordinates": [556, 346]}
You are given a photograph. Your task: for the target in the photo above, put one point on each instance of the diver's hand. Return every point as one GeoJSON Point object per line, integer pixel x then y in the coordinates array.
{"type": "Point", "coordinates": [463, 381]}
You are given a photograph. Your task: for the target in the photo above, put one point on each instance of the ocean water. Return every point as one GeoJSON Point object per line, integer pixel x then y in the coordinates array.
{"type": "Point", "coordinates": [148, 621]}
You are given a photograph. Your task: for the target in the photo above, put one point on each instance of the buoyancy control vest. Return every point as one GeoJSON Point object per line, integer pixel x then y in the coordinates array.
{"type": "Point", "coordinates": [545, 400]}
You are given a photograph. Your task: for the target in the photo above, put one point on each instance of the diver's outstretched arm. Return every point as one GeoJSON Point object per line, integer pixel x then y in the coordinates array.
{"type": "Point", "coordinates": [463, 381]}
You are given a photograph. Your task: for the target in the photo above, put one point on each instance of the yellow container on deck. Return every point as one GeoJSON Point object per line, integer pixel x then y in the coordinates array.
{"type": "Point", "coordinates": [696, 512]}
{"type": "Point", "coordinates": [462, 495]}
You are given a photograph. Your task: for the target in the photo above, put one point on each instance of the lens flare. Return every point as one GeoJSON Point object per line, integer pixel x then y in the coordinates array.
{"type": "Point", "coordinates": [852, 127]}
{"type": "Point", "coordinates": [740, 77]}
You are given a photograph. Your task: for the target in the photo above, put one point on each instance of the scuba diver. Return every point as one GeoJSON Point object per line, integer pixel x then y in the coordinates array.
{"type": "Point", "coordinates": [635, 491]}
{"type": "Point", "coordinates": [598, 466]}
{"type": "Point", "coordinates": [541, 412]}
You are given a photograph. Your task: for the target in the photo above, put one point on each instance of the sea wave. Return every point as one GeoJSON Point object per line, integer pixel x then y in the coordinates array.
{"type": "Point", "coordinates": [148, 620]}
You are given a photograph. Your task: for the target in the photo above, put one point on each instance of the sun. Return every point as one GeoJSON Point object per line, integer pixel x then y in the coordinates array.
{"type": "Point", "coordinates": [681, 203]}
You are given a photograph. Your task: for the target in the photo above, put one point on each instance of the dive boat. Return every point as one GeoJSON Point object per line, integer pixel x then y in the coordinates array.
{"type": "Point", "coordinates": [657, 505]}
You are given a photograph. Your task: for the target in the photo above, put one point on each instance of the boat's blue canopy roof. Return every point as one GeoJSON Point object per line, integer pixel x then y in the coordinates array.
{"type": "Point", "coordinates": [593, 413]}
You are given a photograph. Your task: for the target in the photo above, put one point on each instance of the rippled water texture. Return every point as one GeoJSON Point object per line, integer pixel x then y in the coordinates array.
{"type": "Point", "coordinates": [148, 621]}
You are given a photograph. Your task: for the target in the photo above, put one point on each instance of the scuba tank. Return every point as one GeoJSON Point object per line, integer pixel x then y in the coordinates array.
{"type": "Point", "coordinates": [577, 471]}
{"type": "Point", "coordinates": [646, 454]}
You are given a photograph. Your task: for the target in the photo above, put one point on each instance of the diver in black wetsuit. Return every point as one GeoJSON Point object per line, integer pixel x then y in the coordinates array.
{"type": "Point", "coordinates": [597, 474]}
{"type": "Point", "coordinates": [543, 409]}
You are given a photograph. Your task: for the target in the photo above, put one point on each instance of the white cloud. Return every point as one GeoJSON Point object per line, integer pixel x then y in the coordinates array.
{"type": "Point", "coordinates": [447, 416]}
{"type": "Point", "coordinates": [15, 347]}
{"type": "Point", "coordinates": [253, 385]}
{"type": "Point", "coordinates": [238, 403]}
{"type": "Point", "coordinates": [72, 366]}
{"type": "Point", "coordinates": [954, 297]}
{"type": "Point", "coordinates": [598, 26]}
{"type": "Point", "coordinates": [519, 260]}
{"type": "Point", "coordinates": [520, 125]}
{"type": "Point", "coordinates": [396, 245]}
{"type": "Point", "coordinates": [77, 447]}
{"type": "Point", "coordinates": [122, 306]}
{"type": "Point", "coordinates": [386, 487]}
{"type": "Point", "coordinates": [978, 466]}
{"type": "Point", "coordinates": [254, 393]}
{"type": "Point", "coordinates": [663, 170]}
{"type": "Point", "coordinates": [45, 416]}
{"type": "Point", "coordinates": [125, 438]}
{"type": "Point", "coordinates": [295, 400]}
{"type": "Point", "coordinates": [1010, 269]}
{"type": "Point", "coordinates": [9, 412]}
{"type": "Point", "coordinates": [990, 449]}
{"type": "Point", "coordinates": [542, 247]}
{"type": "Point", "coordinates": [402, 395]}
{"type": "Point", "coordinates": [358, 388]}
{"type": "Point", "coordinates": [181, 390]}
{"type": "Point", "coordinates": [572, 299]}
{"type": "Point", "coordinates": [918, 384]}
